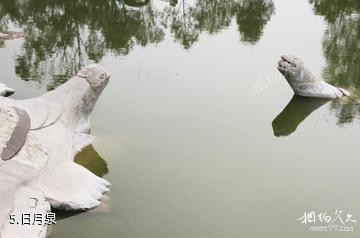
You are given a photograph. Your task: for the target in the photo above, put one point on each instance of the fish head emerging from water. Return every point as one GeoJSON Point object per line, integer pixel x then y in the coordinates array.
{"type": "Point", "coordinates": [304, 83]}
{"type": "Point", "coordinates": [96, 75]}
{"type": "Point", "coordinates": [77, 97]}
{"type": "Point", "coordinates": [291, 67]}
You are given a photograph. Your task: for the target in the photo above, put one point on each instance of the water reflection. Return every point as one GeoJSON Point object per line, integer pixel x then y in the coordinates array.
{"type": "Point", "coordinates": [341, 48]}
{"type": "Point", "coordinates": [295, 112]}
{"type": "Point", "coordinates": [187, 21]}
{"type": "Point", "coordinates": [90, 159]}
{"type": "Point", "coordinates": [251, 17]}
{"type": "Point", "coordinates": [64, 35]}
{"type": "Point", "coordinates": [180, 19]}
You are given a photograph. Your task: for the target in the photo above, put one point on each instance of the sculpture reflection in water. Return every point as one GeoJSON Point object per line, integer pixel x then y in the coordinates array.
{"type": "Point", "coordinates": [295, 112]}
{"type": "Point", "coordinates": [341, 47]}
{"type": "Point", "coordinates": [90, 159]}
{"type": "Point", "coordinates": [62, 36]}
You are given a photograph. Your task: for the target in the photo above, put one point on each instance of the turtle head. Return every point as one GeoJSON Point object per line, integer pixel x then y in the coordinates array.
{"type": "Point", "coordinates": [95, 74]}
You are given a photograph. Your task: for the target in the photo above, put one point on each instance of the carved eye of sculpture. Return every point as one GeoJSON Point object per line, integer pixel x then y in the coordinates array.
{"type": "Point", "coordinates": [102, 76]}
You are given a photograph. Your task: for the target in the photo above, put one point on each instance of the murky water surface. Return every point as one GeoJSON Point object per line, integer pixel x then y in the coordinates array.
{"type": "Point", "coordinates": [197, 131]}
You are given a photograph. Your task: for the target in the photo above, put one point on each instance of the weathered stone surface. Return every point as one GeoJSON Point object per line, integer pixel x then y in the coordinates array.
{"type": "Point", "coordinates": [43, 170]}
{"type": "Point", "coordinates": [304, 83]}
{"type": "Point", "coordinates": [27, 201]}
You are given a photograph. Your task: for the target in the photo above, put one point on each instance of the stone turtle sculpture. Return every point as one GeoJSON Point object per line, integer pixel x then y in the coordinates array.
{"type": "Point", "coordinates": [38, 141]}
{"type": "Point", "coordinates": [304, 83]}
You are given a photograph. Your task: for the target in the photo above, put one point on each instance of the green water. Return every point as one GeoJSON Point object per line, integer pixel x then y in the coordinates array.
{"type": "Point", "coordinates": [197, 131]}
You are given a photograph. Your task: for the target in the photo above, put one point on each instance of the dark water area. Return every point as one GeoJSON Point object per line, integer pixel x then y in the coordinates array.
{"type": "Point", "coordinates": [197, 131]}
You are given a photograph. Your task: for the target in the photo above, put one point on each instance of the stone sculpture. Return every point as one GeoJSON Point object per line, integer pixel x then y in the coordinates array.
{"type": "Point", "coordinates": [295, 112]}
{"type": "Point", "coordinates": [304, 83]}
{"type": "Point", "coordinates": [38, 141]}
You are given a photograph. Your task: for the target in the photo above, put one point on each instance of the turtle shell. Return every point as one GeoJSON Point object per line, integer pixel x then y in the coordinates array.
{"type": "Point", "coordinates": [15, 125]}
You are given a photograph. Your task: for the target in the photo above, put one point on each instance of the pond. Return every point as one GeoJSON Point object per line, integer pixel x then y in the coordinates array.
{"type": "Point", "coordinates": [197, 131]}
